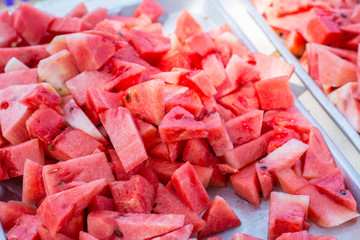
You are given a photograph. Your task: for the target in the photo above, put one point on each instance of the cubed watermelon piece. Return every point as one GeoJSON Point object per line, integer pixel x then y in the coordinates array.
{"type": "Point", "coordinates": [133, 196]}
{"type": "Point", "coordinates": [241, 72]}
{"type": "Point", "coordinates": [149, 175]}
{"type": "Point", "coordinates": [318, 161]}
{"type": "Point", "coordinates": [57, 44]}
{"type": "Point", "coordinates": [146, 101]}
{"type": "Point", "coordinates": [95, 16]}
{"type": "Point", "coordinates": [101, 224]}
{"type": "Point", "coordinates": [200, 81]}
{"type": "Point", "coordinates": [151, 8]}
{"type": "Point", "coordinates": [78, 11]}
{"type": "Point", "coordinates": [45, 234]}
{"type": "Point", "coordinates": [33, 190]}
{"type": "Point", "coordinates": [179, 124]}
{"type": "Point", "coordinates": [21, 77]}
{"type": "Point", "coordinates": [75, 225]}
{"type": "Point", "coordinates": [100, 202]}
{"type": "Point", "coordinates": [189, 100]}
{"type": "Point", "coordinates": [182, 233]}
{"type": "Point", "coordinates": [244, 154]}
{"type": "Point", "coordinates": [185, 182]}
{"type": "Point", "coordinates": [45, 124]}
{"type": "Point", "coordinates": [200, 43]}
{"type": "Point", "coordinates": [79, 84]}
{"type": "Point", "coordinates": [13, 210]}
{"type": "Point", "coordinates": [160, 150]}
{"type": "Point", "coordinates": [149, 134]}
{"type": "Point", "coordinates": [125, 137]}
{"type": "Point", "coordinates": [68, 25]}
{"type": "Point", "coordinates": [14, 157]}
{"type": "Point", "coordinates": [58, 209]}
{"type": "Point", "coordinates": [8, 33]}
{"type": "Point", "coordinates": [15, 65]}
{"type": "Point", "coordinates": [316, 237]}
{"type": "Point", "coordinates": [243, 236]}
{"type": "Point", "coordinates": [303, 235]}
{"type": "Point", "coordinates": [281, 136]}
{"type": "Point", "coordinates": [42, 94]}
{"type": "Point", "coordinates": [218, 137]}
{"type": "Point", "coordinates": [32, 31]}
{"type": "Point", "coordinates": [86, 236]}
{"type": "Point", "coordinates": [287, 213]}
{"type": "Point", "coordinates": [334, 187]}
{"type": "Point", "coordinates": [27, 227]}
{"type": "Point", "coordinates": [197, 152]}
{"type": "Point", "coordinates": [89, 51]}
{"type": "Point", "coordinates": [175, 149]}
{"type": "Point", "coordinates": [295, 42]}
{"type": "Point", "coordinates": [98, 100]}
{"type": "Point", "coordinates": [246, 184]}
{"type": "Point", "coordinates": [214, 68]}
{"type": "Point", "coordinates": [245, 127]}
{"type": "Point", "coordinates": [64, 175]}
{"type": "Point", "coordinates": [266, 180]}
{"type": "Point", "coordinates": [290, 182]}
{"type": "Point", "coordinates": [186, 26]}
{"type": "Point", "coordinates": [118, 169]}
{"type": "Point", "coordinates": [173, 59]}
{"type": "Point", "coordinates": [219, 217]}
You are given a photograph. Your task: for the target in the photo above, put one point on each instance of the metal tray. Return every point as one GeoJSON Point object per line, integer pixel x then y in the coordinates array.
{"type": "Point", "coordinates": [210, 14]}
{"type": "Point", "coordinates": [338, 117]}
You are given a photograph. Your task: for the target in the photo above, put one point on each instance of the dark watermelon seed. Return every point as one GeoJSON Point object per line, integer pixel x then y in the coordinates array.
{"type": "Point", "coordinates": [136, 97]}
{"type": "Point", "coordinates": [98, 124]}
{"type": "Point", "coordinates": [118, 233]}
{"type": "Point", "coordinates": [128, 97]}
{"type": "Point", "coordinates": [120, 34]}
{"type": "Point", "coordinates": [70, 110]}
{"type": "Point", "coordinates": [263, 167]}
{"type": "Point", "coordinates": [155, 205]}
{"type": "Point", "coordinates": [281, 34]}
{"type": "Point", "coordinates": [343, 15]}
{"type": "Point", "coordinates": [342, 192]}
{"type": "Point", "coordinates": [50, 147]}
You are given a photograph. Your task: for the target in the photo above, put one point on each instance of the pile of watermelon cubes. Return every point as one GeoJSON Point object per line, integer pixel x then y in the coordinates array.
{"type": "Point", "coordinates": [326, 35]}
{"type": "Point", "coordinates": [117, 131]}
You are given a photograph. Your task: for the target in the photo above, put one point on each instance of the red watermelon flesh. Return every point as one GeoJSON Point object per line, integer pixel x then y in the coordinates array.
{"type": "Point", "coordinates": [214, 68]}
{"type": "Point", "coordinates": [45, 234]}
{"type": "Point", "coordinates": [199, 80]}
{"type": "Point", "coordinates": [78, 85]}
{"type": "Point", "coordinates": [186, 26]}
{"type": "Point", "coordinates": [75, 225]}
{"type": "Point", "coordinates": [218, 137]}
{"type": "Point", "coordinates": [316, 237]}
{"type": "Point", "coordinates": [242, 100]}
{"type": "Point", "coordinates": [100, 202]}
{"type": "Point", "coordinates": [27, 227]}
{"type": "Point", "coordinates": [33, 190]}
{"type": "Point", "coordinates": [160, 150]}
{"type": "Point", "coordinates": [287, 213]}
{"type": "Point", "coordinates": [219, 217]}
{"type": "Point", "coordinates": [41, 95]}
{"type": "Point", "coordinates": [166, 202]}
{"type": "Point", "coordinates": [324, 211]}
{"type": "Point", "coordinates": [8, 33]}
{"type": "Point", "coordinates": [175, 149]}
{"type": "Point", "coordinates": [13, 210]}
{"type": "Point", "coordinates": [240, 71]}
{"type": "Point", "coordinates": [14, 157]}
{"type": "Point", "coordinates": [63, 147]}
{"type": "Point", "coordinates": [295, 42]}
{"type": "Point", "coordinates": [186, 183]}
{"type": "Point", "coordinates": [31, 31]}
{"type": "Point", "coordinates": [333, 186]}
{"type": "Point", "coordinates": [101, 224]}
{"type": "Point", "coordinates": [21, 77]}
{"type": "Point", "coordinates": [129, 145]}
{"type": "Point", "coordinates": [172, 77]}
{"type": "Point", "coordinates": [118, 169]}
{"type": "Point", "coordinates": [225, 113]}
{"type": "Point", "coordinates": [182, 233]}
{"type": "Point", "coordinates": [85, 50]}
{"type": "Point", "coordinates": [164, 169]}
{"type": "Point", "coordinates": [245, 127]}
{"type": "Point", "coordinates": [283, 8]}
{"type": "Point", "coordinates": [149, 134]}
{"type": "Point", "coordinates": [61, 176]}
{"type": "Point", "coordinates": [243, 236]}
{"type": "Point", "coordinates": [189, 100]}
{"type": "Point", "coordinates": [281, 136]}
{"type": "Point", "coordinates": [284, 156]}
{"type": "Point", "coordinates": [246, 184]}
{"type": "Point", "coordinates": [133, 196]}
{"type": "Point", "coordinates": [179, 124]}
{"type": "Point", "coordinates": [78, 11]}
{"type": "Point", "coordinates": [86, 236]}
{"type": "Point", "coordinates": [244, 154]}
{"type": "Point", "coordinates": [57, 44]}
{"type": "Point", "coordinates": [68, 25]}
{"type": "Point", "coordinates": [197, 152]}
{"type": "Point", "coordinates": [266, 180]}
{"type": "Point", "coordinates": [58, 209]}
{"type": "Point", "coordinates": [173, 59]}
{"type": "Point", "coordinates": [45, 124]}
{"type": "Point", "coordinates": [289, 182]}
{"type": "Point", "coordinates": [200, 43]}
{"type": "Point", "coordinates": [151, 8]}
{"type": "Point", "coordinates": [302, 235]}
{"type": "Point", "coordinates": [318, 160]}
{"type": "Point", "coordinates": [95, 16]}
{"type": "Point", "coordinates": [146, 101]}
{"type": "Point", "coordinates": [15, 65]}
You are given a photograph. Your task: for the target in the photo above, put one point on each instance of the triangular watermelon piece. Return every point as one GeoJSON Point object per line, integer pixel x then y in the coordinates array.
{"type": "Point", "coordinates": [266, 180]}
{"type": "Point", "coordinates": [303, 235]}
{"type": "Point", "coordinates": [150, 8]}
{"type": "Point", "coordinates": [15, 65]}
{"type": "Point", "coordinates": [95, 16]}
{"type": "Point", "coordinates": [333, 186]}
{"type": "Point", "coordinates": [58, 209]}
{"type": "Point", "coordinates": [33, 190]}
{"type": "Point", "coordinates": [101, 224]}
{"type": "Point", "coordinates": [144, 226]}
{"type": "Point", "coordinates": [149, 134]}
{"type": "Point", "coordinates": [146, 101]}
{"type": "Point", "coordinates": [179, 124]}
{"type": "Point", "coordinates": [100, 202]}
{"type": "Point", "coordinates": [189, 100]}
{"type": "Point", "coordinates": [289, 182]}
{"type": "Point", "coordinates": [219, 217]}
{"type": "Point", "coordinates": [243, 236]}
{"type": "Point", "coordinates": [186, 26]}
{"type": "Point", "coordinates": [68, 25]}
{"type": "Point", "coordinates": [86, 236]}
{"type": "Point", "coordinates": [27, 227]}
{"type": "Point", "coordinates": [214, 68]}
{"type": "Point", "coordinates": [200, 81]}
{"type": "Point", "coordinates": [21, 77]}
{"type": "Point", "coordinates": [166, 202]}
{"type": "Point", "coordinates": [78, 11]}
{"type": "Point", "coordinates": [197, 152]}
{"type": "Point", "coordinates": [12, 210]}
{"type": "Point", "coordinates": [182, 233]}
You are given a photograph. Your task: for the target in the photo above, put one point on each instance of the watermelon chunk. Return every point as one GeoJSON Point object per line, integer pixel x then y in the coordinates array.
{"type": "Point", "coordinates": [266, 180]}
{"type": "Point", "coordinates": [146, 101]}
{"type": "Point", "coordinates": [86, 236]}
{"type": "Point", "coordinates": [8, 33]}
{"type": "Point", "coordinates": [68, 25]}
{"type": "Point", "coordinates": [197, 152]}
{"type": "Point", "coordinates": [289, 182]}
{"type": "Point", "coordinates": [295, 235]}
{"type": "Point", "coordinates": [149, 134]}
{"type": "Point", "coordinates": [21, 77]}
{"type": "Point", "coordinates": [125, 138]}
{"type": "Point", "coordinates": [241, 72]}
{"type": "Point", "coordinates": [179, 124]}
{"type": "Point", "coordinates": [33, 190]}
{"type": "Point", "coordinates": [182, 233]}
{"type": "Point", "coordinates": [78, 11]}
{"type": "Point", "coordinates": [65, 175]}
{"type": "Point", "coordinates": [45, 234]}
{"type": "Point", "coordinates": [42, 94]}
{"type": "Point", "coordinates": [214, 68]}
{"type": "Point", "coordinates": [99, 203]}
{"type": "Point", "coordinates": [95, 16]}
{"type": "Point", "coordinates": [243, 236]}
{"type": "Point", "coordinates": [246, 184]}
{"type": "Point", "coordinates": [189, 100]}
{"type": "Point", "coordinates": [15, 65]}
{"type": "Point", "coordinates": [133, 196]}
{"type": "Point", "coordinates": [199, 80]}
{"type": "Point", "coordinates": [186, 26]}
{"type": "Point", "coordinates": [58, 209]}
{"type": "Point", "coordinates": [85, 50]}
{"type": "Point", "coordinates": [200, 43]}
{"type": "Point", "coordinates": [13, 210]}
{"type": "Point", "coordinates": [27, 227]}
{"type": "Point", "coordinates": [219, 217]}
{"type": "Point", "coordinates": [150, 8]}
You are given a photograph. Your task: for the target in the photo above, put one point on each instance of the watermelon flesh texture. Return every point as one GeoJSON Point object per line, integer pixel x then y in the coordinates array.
{"type": "Point", "coordinates": [101, 224]}
{"type": "Point", "coordinates": [189, 100]}
{"type": "Point", "coordinates": [21, 77]}
{"type": "Point", "coordinates": [68, 25]}
{"type": "Point", "coordinates": [243, 236]}
{"type": "Point", "coordinates": [100, 202]}
{"type": "Point", "coordinates": [26, 228]}
{"type": "Point", "coordinates": [214, 68]}
{"type": "Point", "coordinates": [186, 26]}
{"type": "Point", "coordinates": [33, 190]}
{"type": "Point", "coordinates": [42, 94]}
{"type": "Point", "coordinates": [197, 152]}
{"type": "Point", "coordinates": [133, 196]}
{"type": "Point", "coordinates": [150, 8]}
{"type": "Point", "coordinates": [55, 214]}
{"type": "Point", "coordinates": [182, 233]}
{"type": "Point", "coordinates": [86, 236]}
{"type": "Point", "coordinates": [295, 235]}
{"type": "Point", "coordinates": [64, 175]}
{"type": "Point", "coordinates": [266, 180]}
{"type": "Point", "coordinates": [12, 210]}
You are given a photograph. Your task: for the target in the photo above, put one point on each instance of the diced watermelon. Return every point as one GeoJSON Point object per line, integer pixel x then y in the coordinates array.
{"type": "Point", "coordinates": [151, 8]}
{"type": "Point", "coordinates": [42, 94]}
{"type": "Point", "coordinates": [200, 43]}
{"type": "Point", "coordinates": [149, 134]}
{"type": "Point", "coordinates": [101, 224]}
{"type": "Point", "coordinates": [75, 225]}
{"type": "Point", "coordinates": [45, 234]}
{"type": "Point", "coordinates": [182, 233]}
{"type": "Point", "coordinates": [31, 31]}
{"type": "Point", "coordinates": [197, 152]}
{"type": "Point", "coordinates": [95, 16]}
{"type": "Point", "coordinates": [200, 81]}
{"type": "Point", "coordinates": [65, 175]}
{"type": "Point", "coordinates": [58, 209]}
{"type": "Point", "coordinates": [118, 169]}
{"type": "Point", "coordinates": [245, 127]}
{"type": "Point", "coordinates": [189, 100]}
{"type": "Point", "coordinates": [173, 59]}
{"type": "Point", "coordinates": [244, 154]}
{"type": "Point", "coordinates": [8, 33]}
{"type": "Point", "coordinates": [186, 26]}
{"type": "Point", "coordinates": [243, 236]}
{"type": "Point", "coordinates": [295, 42]}
{"type": "Point", "coordinates": [15, 65]}
{"type": "Point", "coordinates": [246, 184]}
{"type": "Point", "coordinates": [89, 51]}
{"type": "Point", "coordinates": [21, 77]}
{"type": "Point", "coordinates": [289, 182]}
{"type": "Point", "coordinates": [303, 235]}
{"type": "Point", "coordinates": [281, 136]}
{"type": "Point", "coordinates": [175, 149]}
{"type": "Point", "coordinates": [125, 138]}
{"type": "Point", "coordinates": [146, 101]}
{"type": "Point", "coordinates": [160, 150]}
{"type": "Point", "coordinates": [219, 217]}
{"type": "Point", "coordinates": [100, 202]}
{"type": "Point", "coordinates": [186, 184]}
{"type": "Point", "coordinates": [33, 190]}
{"type": "Point", "coordinates": [68, 25]}
{"type": "Point", "coordinates": [78, 11]}
{"type": "Point", "coordinates": [12, 210]}
{"type": "Point", "coordinates": [133, 196]}
{"type": "Point", "coordinates": [179, 124]}
{"type": "Point", "coordinates": [26, 227]}
{"type": "Point", "coordinates": [240, 71]}
{"type": "Point", "coordinates": [266, 180]}
{"type": "Point", "coordinates": [86, 236]}
{"type": "Point", "coordinates": [218, 137]}
{"type": "Point", "coordinates": [214, 68]}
